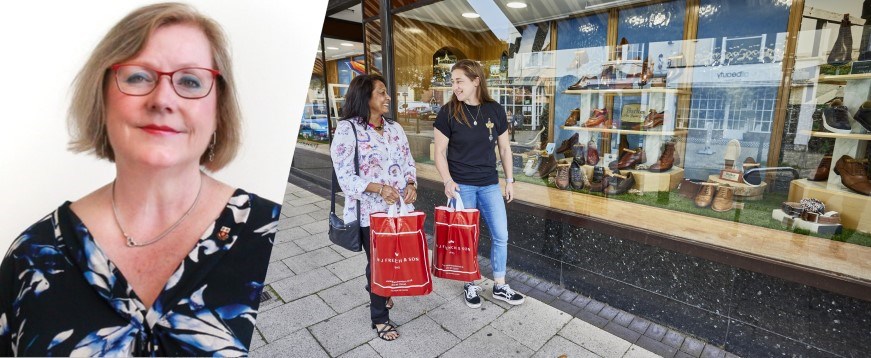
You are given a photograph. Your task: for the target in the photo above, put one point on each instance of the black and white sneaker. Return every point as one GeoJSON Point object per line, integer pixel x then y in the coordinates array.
{"type": "Point", "coordinates": [505, 293]}
{"type": "Point", "coordinates": [471, 295]}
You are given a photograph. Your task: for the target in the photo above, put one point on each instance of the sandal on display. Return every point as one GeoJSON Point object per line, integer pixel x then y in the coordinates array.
{"type": "Point", "coordinates": [385, 331]}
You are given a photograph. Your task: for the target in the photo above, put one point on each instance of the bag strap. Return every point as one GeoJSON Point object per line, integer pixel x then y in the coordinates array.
{"type": "Point", "coordinates": [456, 202]}
{"type": "Point", "coordinates": [336, 180]}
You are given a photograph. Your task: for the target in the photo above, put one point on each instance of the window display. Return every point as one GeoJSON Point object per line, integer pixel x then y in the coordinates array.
{"type": "Point", "coordinates": [700, 111]}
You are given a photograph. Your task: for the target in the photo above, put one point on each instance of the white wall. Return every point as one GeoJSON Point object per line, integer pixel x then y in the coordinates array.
{"type": "Point", "coordinates": [45, 43]}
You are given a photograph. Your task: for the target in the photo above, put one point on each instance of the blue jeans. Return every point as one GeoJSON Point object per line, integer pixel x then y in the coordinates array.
{"type": "Point", "coordinates": [488, 199]}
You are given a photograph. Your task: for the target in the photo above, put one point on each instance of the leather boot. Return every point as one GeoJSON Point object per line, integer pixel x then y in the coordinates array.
{"type": "Point", "coordinates": [853, 174]}
{"type": "Point", "coordinates": [620, 184]}
{"type": "Point", "coordinates": [562, 176]}
{"type": "Point", "coordinates": [547, 166]}
{"type": "Point", "coordinates": [665, 161]}
{"type": "Point", "coordinates": [842, 50]}
{"type": "Point", "coordinates": [723, 199]}
{"type": "Point", "coordinates": [599, 186]}
{"type": "Point", "coordinates": [573, 118]}
{"type": "Point", "coordinates": [579, 154]}
{"type": "Point", "coordinates": [598, 174]}
{"type": "Point", "coordinates": [705, 195]}
{"type": "Point", "coordinates": [567, 144]}
{"type": "Point", "coordinates": [632, 158]}
{"type": "Point", "coordinates": [592, 153]}
{"type": "Point", "coordinates": [822, 171]}
{"type": "Point", "coordinates": [577, 178]}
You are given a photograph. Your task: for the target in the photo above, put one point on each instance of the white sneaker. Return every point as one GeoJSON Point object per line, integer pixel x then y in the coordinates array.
{"type": "Point", "coordinates": [505, 293]}
{"type": "Point", "coordinates": [470, 293]}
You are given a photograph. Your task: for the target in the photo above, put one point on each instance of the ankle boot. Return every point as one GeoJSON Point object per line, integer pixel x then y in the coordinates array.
{"type": "Point", "coordinates": [842, 50]}
{"type": "Point", "coordinates": [822, 171]}
{"type": "Point", "coordinates": [579, 154]}
{"type": "Point", "coordinates": [665, 161]}
{"type": "Point", "coordinates": [562, 176]}
{"type": "Point", "coordinates": [547, 166]}
{"type": "Point", "coordinates": [573, 118]}
{"type": "Point", "coordinates": [577, 178]}
{"type": "Point", "coordinates": [592, 153]}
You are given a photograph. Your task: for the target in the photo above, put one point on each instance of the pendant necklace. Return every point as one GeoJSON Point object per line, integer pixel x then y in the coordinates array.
{"type": "Point", "coordinates": [133, 243]}
{"type": "Point", "coordinates": [489, 126]}
{"type": "Point", "coordinates": [476, 115]}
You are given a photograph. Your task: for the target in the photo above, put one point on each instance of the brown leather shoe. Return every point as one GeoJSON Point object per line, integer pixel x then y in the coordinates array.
{"type": "Point", "coordinates": [584, 83]}
{"type": "Point", "coordinates": [599, 117]}
{"type": "Point", "coordinates": [705, 195]}
{"type": "Point", "coordinates": [822, 172]}
{"type": "Point", "coordinates": [853, 174]}
{"type": "Point", "coordinates": [592, 153]}
{"type": "Point", "coordinates": [688, 189]}
{"type": "Point", "coordinates": [750, 163]}
{"type": "Point", "coordinates": [723, 199]}
{"type": "Point", "coordinates": [652, 120]}
{"type": "Point", "coordinates": [577, 178]}
{"type": "Point", "coordinates": [567, 144]}
{"type": "Point", "coordinates": [620, 184]}
{"type": "Point", "coordinates": [632, 158]}
{"type": "Point", "coordinates": [665, 161]}
{"type": "Point", "coordinates": [573, 118]}
{"type": "Point", "coordinates": [562, 176]}
{"type": "Point", "coordinates": [547, 166]}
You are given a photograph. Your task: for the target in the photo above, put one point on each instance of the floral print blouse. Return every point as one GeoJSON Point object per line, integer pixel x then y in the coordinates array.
{"type": "Point", "coordinates": [384, 159]}
{"type": "Point", "coordinates": [60, 295]}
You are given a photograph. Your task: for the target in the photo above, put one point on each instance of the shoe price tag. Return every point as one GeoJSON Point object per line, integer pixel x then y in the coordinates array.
{"type": "Point", "coordinates": [550, 147]}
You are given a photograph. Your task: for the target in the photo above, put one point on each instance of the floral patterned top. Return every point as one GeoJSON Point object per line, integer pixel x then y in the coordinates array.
{"type": "Point", "coordinates": [384, 159]}
{"type": "Point", "coordinates": [60, 295]}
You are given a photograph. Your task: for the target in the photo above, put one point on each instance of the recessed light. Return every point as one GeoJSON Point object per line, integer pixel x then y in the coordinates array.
{"type": "Point", "coordinates": [471, 15]}
{"type": "Point", "coordinates": [332, 48]}
{"type": "Point", "coordinates": [516, 5]}
{"type": "Point", "coordinates": [346, 44]}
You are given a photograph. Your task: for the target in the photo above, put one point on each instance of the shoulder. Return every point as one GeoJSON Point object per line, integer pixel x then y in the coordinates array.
{"type": "Point", "coordinates": [37, 240]}
{"type": "Point", "coordinates": [261, 209]}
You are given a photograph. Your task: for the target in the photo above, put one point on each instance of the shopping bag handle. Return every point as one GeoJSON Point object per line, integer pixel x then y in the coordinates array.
{"type": "Point", "coordinates": [403, 211]}
{"type": "Point", "coordinates": [458, 203]}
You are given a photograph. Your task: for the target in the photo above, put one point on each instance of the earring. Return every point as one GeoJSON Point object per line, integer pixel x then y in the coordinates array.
{"type": "Point", "coordinates": [212, 146]}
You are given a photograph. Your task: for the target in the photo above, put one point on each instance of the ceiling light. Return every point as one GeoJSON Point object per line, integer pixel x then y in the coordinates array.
{"type": "Point", "coordinates": [471, 15]}
{"type": "Point", "coordinates": [332, 48]}
{"type": "Point", "coordinates": [346, 44]}
{"type": "Point", "coordinates": [516, 5]}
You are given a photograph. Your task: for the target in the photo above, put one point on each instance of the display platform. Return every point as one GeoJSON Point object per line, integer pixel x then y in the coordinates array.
{"type": "Point", "coordinates": [743, 192]}
{"type": "Point", "coordinates": [853, 207]}
{"type": "Point", "coordinates": [649, 181]}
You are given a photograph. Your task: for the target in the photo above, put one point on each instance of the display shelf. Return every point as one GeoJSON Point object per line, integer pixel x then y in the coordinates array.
{"type": "Point", "coordinates": [650, 181]}
{"type": "Point", "coordinates": [842, 79]}
{"type": "Point", "coordinates": [629, 91]}
{"type": "Point", "coordinates": [836, 135]}
{"type": "Point", "coordinates": [623, 131]}
{"type": "Point", "coordinates": [740, 190]}
{"type": "Point", "coordinates": [851, 205]}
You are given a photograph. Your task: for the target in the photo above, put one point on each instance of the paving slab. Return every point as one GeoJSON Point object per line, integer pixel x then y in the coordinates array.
{"type": "Point", "coordinates": [317, 227]}
{"type": "Point", "coordinates": [363, 351]}
{"type": "Point", "coordinates": [347, 295]}
{"type": "Point", "coordinates": [462, 321]}
{"type": "Point", "coordinates": [288, 318]}
{"type": "Point", "coordinates": [314, 241]}
{"type": "Point", "coordinates": [638, 352]}
{"type": "Point", "coordinates": [271, 303]}
{"type": "Point", "coordinates": [533, 323]}
{"type": "Point", "coordinates": [344, 332]}
{"type": "Point", "coordinates": [488, 342]}
{"type": "Point", "coordinates": [291, 211]}
{"type": "Point", "coordinates": [347, 253]}
{"type": "Point", "coordinates": [312, 260]}
{"type": "Point", "coordinates": [283, 251]}
{"type": "Point", "coordinates": [297, 221]}
{"type": "Point", "coordinates": [277, 271]}
{"type": "Point", "coordinates": [406, 309]}
{"type": "Point", "coordinates": [349, 268]}
{"type": "Point", "coordinates": [304, 284]}
{"type": "Point", "coordinates": [594, 339]}
{"type": "Point", "coordinates": [419, 338]}
{"type": "Point", "coordinates": [298, 344]}
{"type": "Point", "coordinates": [256, 341]}
{"type": "Point", "coordinates": [559, 346]}
{"type": "Point", "coordinates": [289, 235]}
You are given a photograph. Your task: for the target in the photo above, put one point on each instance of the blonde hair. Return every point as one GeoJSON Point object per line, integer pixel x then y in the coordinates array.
{"type": "Point", "coordinates": [87, 112]}
{"type": "Point", "coordinates": [472, 70]}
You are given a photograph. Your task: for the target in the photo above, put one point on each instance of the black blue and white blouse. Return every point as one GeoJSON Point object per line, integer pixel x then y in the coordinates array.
{"type": "Point", "coordinates": [60, 295]}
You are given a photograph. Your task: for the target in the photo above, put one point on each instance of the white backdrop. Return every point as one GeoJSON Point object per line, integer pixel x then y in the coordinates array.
{"type": "Point", "coordinates": [45, 43]}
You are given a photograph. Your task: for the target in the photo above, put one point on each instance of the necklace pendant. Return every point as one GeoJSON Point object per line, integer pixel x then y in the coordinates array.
{"type": "Point", "coordinates": [491, 137]}
{"type": "Point", "coordinates": [475, 123]}
{"type": "Point", "coordinates": [130, 242]}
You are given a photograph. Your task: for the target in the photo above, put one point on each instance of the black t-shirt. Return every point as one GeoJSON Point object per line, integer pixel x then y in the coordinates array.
{"type": "Point", "coordinates": [471, 156]}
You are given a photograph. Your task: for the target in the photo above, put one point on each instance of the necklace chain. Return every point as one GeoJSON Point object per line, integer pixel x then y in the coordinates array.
{"type": "Point", "coordinates": [477, 115]}
{"type": "Point", "coordinates": [133, 243]}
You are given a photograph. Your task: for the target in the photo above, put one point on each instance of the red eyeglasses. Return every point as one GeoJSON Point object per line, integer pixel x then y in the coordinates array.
{"type": "Point", "coordinates": [139, 80]}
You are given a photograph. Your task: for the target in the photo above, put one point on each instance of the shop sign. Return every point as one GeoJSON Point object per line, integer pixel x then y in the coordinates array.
{"type": "Point", "coordinates": [861, 67]}
{"type": "Point", "coordinates": [766, 74]}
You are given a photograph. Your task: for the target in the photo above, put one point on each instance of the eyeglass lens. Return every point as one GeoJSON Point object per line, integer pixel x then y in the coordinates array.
{"type": "Point", "coordinates": [187, 82]}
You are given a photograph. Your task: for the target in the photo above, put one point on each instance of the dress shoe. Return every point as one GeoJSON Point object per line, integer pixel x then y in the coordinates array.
{"type": "Point", "coordinates": [723, 199]}
{"type": "Point", "coordinates": [842, 50]}
{"type": "Point", "coordinates": [646, 74]}
{"type": "Point", "coordinates": [863, 115]}
{"type": "Point", "coordinates": [577, 178]}
{"type": "Point", "coordinates": [598, 117]}
{"type": "Point", "coordinates": [567, 144]}
{"type": "Point", "coordinates": [584, 83]}
{"type": "Point", "coordinates": [836, 118]}
{"type": "Point", "coordinates": [733, 150]}
{"type": "Point", "coordinates": [573, 118]}
{"type": "Point", "coordinates": [749, 163]}
{"type": "Point", "coordinates": [689, 189]}
{"type": "Point", "coordinates": [599, 186]}
{"type": "Point", "coordinates": [631, 158]}
{"type": "Point", "coordinates": [705, 195]}
{"type": "Point", "coordinates": [606, 79]}
{"type": "Point", "coordinates": [579, 154]}
{"type": "Point", "coordinates": [547, 166]}
{"type": "Point", "coordinates": [822, 171]}
{"type": "Point", "coordinates": [592, 153]}
{"type": "Point", "coordinates": [620, 184]}
{"type": "Point", "coordinates": [653, 119]}
{"type": "Point", "coordinates": [665, 161]}
{"type": "Point", "coordinates": [853, 174]}
{"type": "Point", "coordinates": [562, 176]}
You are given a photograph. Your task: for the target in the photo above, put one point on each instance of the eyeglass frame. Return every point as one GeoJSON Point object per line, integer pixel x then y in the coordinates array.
{"type": "Point", "coordinates": [215, 75]}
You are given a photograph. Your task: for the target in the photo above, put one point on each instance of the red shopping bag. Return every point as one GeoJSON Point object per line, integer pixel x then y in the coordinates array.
{"type": "Point", "coordinates": [400, 258]}
{"type": "Point", "coordinates": [456, 240]}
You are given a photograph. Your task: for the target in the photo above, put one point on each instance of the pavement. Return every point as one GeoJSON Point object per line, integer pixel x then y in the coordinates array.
{"type": "Point", "coordinates": [315, 305]}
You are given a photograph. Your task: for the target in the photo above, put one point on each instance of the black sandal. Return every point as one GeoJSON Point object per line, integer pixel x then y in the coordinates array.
{"type": "Point", "coordinates": [388, 328]}
{"type": "Point", "coordinates": [389, 303]}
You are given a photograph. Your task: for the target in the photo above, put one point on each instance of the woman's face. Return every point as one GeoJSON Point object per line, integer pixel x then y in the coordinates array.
{"type": "Point", "coordinates": [162, 129]}
{"type": "Point", "coordinates": [464, 88]}
{"type": "Point", "coordinates": [379, 103]}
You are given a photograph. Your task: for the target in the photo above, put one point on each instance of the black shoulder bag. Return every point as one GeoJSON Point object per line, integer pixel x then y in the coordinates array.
{"type": "Point", "coordinates": [342, 234]}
